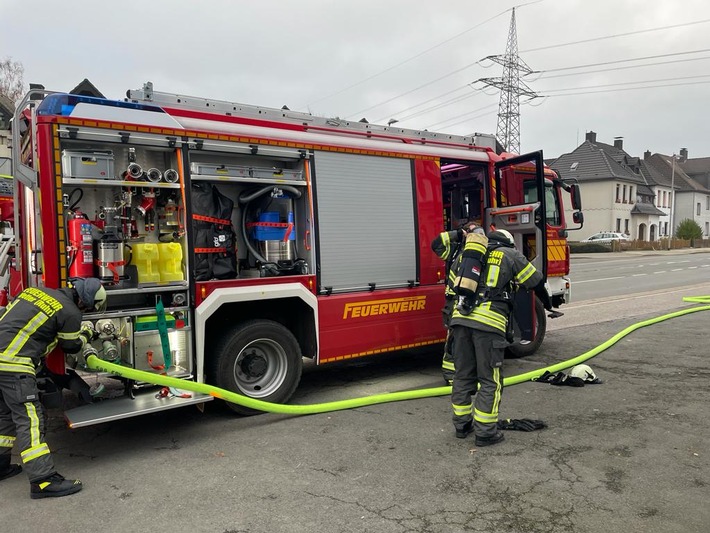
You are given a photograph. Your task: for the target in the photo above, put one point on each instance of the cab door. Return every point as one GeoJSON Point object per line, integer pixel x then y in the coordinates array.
{"type": "Point", "coordinates": [521, 212]}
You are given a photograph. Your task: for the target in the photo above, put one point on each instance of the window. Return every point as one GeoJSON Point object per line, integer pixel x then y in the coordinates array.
{"type": "Point", "coordinates": [665, 228]}
{"type": "Point", "coordinates": [631, 194]}
{"type": "Point", "coordinates": [670, 198]}
{"type": "Point", "coordinates": [697, 211]}
{"type": "Point", "coordinates": [707, 228]}
{"type": "Point", "coordinates": [707, 203]}
{"type": "Point", "coordinates": [626, 225]}
{"type": "Point", "coordinates": [618, 199]}
{"type": "Point", "coordinates": [618, 225]}
{"type": "Point", "coordinates": [552, 206]}
{"type": "Point", "coordinates": [624, 194]}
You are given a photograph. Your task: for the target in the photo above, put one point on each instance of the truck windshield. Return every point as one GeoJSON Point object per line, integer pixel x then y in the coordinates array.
{"type": "Point", "coordinates": [552, 206]}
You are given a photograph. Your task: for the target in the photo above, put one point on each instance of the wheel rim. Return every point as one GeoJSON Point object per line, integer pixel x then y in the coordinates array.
{"type": "Point", "coordinates": [260, 368]}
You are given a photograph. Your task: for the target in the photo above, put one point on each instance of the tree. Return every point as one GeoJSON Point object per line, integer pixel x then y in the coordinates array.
{"type": "Point", "coordinates": [11, 82]}
{"type": "Point", "coordinates": [690, 230]}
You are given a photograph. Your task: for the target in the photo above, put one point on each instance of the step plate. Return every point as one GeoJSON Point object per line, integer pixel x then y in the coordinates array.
{"type": "Point", "coordinates": [125, 407]}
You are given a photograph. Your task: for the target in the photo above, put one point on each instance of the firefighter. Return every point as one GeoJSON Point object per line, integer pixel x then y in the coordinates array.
{"type": "Point", "coordinates": [481, 333]}
{"type": "Point", "coordinates": [32, 325]}
{"type": "Point", "coordinates": [448, 246]}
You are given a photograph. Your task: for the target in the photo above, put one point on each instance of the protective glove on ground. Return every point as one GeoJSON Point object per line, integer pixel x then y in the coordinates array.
{"type": "Point", "coordinates": [521, 424]}
{"type": "Point", "coordinates": [560, 378]}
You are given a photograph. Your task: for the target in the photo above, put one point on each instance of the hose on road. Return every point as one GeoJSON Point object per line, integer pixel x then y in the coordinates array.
{"type": "Point", "coordinates": [95, 363]}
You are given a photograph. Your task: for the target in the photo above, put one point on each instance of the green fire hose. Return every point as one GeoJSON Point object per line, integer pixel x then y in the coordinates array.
{"type": "Point", "coordinates": [95, 363]}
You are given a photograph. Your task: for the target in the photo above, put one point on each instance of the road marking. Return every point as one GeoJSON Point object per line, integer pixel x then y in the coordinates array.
{"type": "Point", "coordinates": [691, 268]}
{"type": "Point", "coordinates": [600, 279]}
{"type": "Point", "coordinates": [659, 272]}
{"type": "Point", "coordinates": [676, 269]}
{"type": "Point", "coordinates": [636, 275]}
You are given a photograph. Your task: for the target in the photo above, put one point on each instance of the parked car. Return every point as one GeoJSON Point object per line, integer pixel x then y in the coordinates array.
{"type": "Point", "coordinates": [607, 237]}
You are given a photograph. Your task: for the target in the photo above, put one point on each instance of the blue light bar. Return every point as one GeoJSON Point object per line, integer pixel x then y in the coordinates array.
{"type": "Point", "coordinates": [63, 104]}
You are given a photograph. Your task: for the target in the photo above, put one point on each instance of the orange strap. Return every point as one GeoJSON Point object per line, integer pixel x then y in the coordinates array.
{"type": "Point", "coordinates": [210, 250]}
{"type": "Point", "coordinates": [222, 221]}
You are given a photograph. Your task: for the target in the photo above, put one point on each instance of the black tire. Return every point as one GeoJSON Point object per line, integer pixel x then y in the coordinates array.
{"type": "Point", "coordinates": [260, 359]}
{"type": "Point", "coordinates": [517, 350]}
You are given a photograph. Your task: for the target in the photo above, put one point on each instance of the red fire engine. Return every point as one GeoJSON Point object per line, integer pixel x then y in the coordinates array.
{"type": "Point", "coordinates": [235, 240]}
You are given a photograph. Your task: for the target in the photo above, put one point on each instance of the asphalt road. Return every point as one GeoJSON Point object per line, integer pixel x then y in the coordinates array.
{"type": "Point", "coordinates": [612, 275]}
{"type": "Point", "coordinates": [628, 455]}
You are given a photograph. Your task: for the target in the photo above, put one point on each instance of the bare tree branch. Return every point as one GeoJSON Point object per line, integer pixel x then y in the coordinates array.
{"type": "Point", "coordinates": [11, 82]}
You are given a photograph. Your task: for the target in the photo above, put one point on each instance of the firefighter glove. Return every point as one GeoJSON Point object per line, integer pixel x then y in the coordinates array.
{"type": "Point", "coordinates": [521, 424]}
{"type": "Point", "coordinates": [87, 333]}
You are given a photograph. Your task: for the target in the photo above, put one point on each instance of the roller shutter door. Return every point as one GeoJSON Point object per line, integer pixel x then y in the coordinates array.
{"type": "Point", "coordinates": [365, 217]}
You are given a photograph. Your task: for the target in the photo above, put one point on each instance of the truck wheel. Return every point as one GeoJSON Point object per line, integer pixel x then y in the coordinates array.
{"type": "Point", "coordinates": [517, 349]}
{"type": "Point", "coordinates": [260, 359]}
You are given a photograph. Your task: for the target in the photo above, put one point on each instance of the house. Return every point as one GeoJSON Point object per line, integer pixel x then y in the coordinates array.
{"type": "Point", "coordinates": [618, 193]}
{"type": "Point", "coordinates": [692, 198]}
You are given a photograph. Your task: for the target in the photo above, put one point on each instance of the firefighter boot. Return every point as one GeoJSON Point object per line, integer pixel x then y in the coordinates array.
{"type": "Point", "coordinates": [54, 486]}
{"type": "Point", "coordinates": [8, 470]}
{"type": "Point", "coordinates": [490, 441]}
{"type": "Point", "coordinates": [464, 431]}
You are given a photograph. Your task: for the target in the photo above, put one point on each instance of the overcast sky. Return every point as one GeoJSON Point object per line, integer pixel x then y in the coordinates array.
{"type": "Point", "coordinates": [410, 60]}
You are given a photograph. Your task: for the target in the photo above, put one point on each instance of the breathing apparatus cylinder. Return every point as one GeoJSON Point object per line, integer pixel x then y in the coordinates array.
{"type": "Point", "coordinates": [81, 261]}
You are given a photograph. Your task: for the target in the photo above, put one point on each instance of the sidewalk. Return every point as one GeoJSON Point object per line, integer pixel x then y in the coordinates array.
{"type": "Point", "coordinates": [637, 253]}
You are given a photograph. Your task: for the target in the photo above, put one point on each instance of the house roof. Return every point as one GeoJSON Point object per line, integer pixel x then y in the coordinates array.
{"type": "Point", "coordinates": [87, 88]}
{"type": "Point", "coordinates": [697, 165]}
{"type": "Point", "coordinates": [682, 182]}
{"type": "Point", "coordinates": [595, 161]}
{"type": "Point", "coordinates": [641, 208]}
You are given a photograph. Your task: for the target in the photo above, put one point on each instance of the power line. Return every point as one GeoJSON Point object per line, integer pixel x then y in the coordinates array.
{"type": "Point", "coordinates": [436, 124]}
{"type": "Point", "coordinates": [353, 115]}
{"type": "Point", "coordinates": [628, 67]}
{"type": "Point", "coordinates": [631, 88]}
{"type": "Point", "coordinates": [594, 39]}
{"type": "Point", "coordinates": [628, 83]}
{"type": "Point", "coordinates": [445, 103]}
{"type": "Point", "coordinates": [421, 103]}
{"type": "Point", "coordinates": [411, 58]}
{"type": "Point", "coordinates": [628, 60]}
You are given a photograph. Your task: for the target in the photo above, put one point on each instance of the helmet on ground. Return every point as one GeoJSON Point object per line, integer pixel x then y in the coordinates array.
{"type": "Point", "coordinates": [502, 236]}
{"type": "Point", "coordinates": [91, 293]}
{"type": "Point", "coordinates": [585, 373]}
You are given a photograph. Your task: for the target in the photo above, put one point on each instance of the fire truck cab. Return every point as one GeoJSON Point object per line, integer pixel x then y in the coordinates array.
{"type": "Point", "coordinates": [234, 240]}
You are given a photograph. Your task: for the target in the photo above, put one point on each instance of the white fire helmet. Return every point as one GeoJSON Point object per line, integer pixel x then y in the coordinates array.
{"type": "Point", "coordinates": [585, 373]}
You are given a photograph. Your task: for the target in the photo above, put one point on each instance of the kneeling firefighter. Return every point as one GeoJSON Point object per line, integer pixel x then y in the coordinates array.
{"type": "Point", "coordinates": [449, 246]}
{"type": "Point", "coordinates": [480, 325]}
{"type": "Point", "coordinates": [32, 325]}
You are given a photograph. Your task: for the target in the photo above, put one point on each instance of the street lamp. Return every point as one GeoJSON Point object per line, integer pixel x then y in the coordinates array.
{"type": "Point", "coordinates": [670, 215]}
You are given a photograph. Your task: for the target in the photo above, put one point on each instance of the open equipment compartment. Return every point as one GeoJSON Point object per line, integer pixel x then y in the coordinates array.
{"type": "Point", "coordinates": [124, 222]}
{"type": "Point", "coordinates": [262, 194]}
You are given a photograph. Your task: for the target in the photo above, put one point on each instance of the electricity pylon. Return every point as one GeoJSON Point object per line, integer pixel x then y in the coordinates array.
{"type": "Point", "coordinates": [511, 88]}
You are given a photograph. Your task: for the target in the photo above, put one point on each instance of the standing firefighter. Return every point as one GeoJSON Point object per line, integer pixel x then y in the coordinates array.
{"type": "Point", "coordinates": [31, 327]}
{"type": "Point", "coordinates": [481, 331]}
{"type": "Point", "coordinates": [449, 246]}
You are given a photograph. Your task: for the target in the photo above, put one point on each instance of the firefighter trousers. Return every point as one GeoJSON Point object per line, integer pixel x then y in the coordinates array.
{"type": "Point", "coordinates": [447, 362]}
{"type": "Point", "coordinates": [22, 423]}
{"type": "Point", "coordinates": [479, 361]}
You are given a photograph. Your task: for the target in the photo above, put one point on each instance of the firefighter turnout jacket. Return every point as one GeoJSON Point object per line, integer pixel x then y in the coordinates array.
{"type": "Point", "coordinates": [33, 324]}
{"type": "Point", "coordinates": [505, 268]}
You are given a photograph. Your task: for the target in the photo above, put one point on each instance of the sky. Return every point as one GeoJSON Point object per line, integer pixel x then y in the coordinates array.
{"type": "Point", "coordinates": [414, 61]}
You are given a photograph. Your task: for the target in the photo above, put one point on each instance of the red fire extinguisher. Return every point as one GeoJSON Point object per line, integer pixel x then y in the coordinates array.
{"type": "Point", "coordinates": [81, 246]}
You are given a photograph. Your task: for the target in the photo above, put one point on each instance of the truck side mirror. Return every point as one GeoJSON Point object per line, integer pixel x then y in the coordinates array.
{"type": "Point", "coordinates": [578, 217]}
{"type": "Point", "coordinates": [576, 197]}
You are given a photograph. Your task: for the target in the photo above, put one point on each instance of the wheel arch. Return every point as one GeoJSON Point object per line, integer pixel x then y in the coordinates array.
{"type": "Point", "coordinates": [289, 304]}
